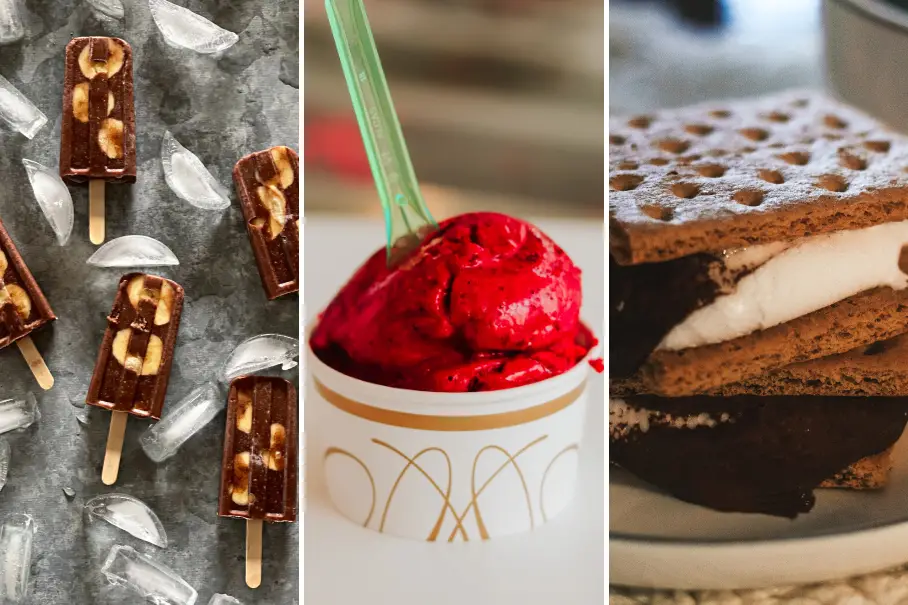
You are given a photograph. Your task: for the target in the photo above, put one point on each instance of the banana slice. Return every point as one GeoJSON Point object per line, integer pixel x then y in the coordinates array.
{"type": "Point", "coordinates": [20, 300]}
{"type": "Point", "coordinates": [113, 64]}
{"type": "Point", "coordinates": [89, 68]}
{"type": "Point", "coordinates": [80, 102]}
{"type": "Point", "coordinates": [153, 356]}
{"type": "Point", "coordinates": [134, 290]}
{"type": "Point", "coordinates": [274, 201]}
{"type": "Point", "coordinates": [244, 412]}
{"type": "Point", "coordinates": [115, 58]}
{"type": "Point", "coordinates": [120, 351]}
{"type": "Point", "coordinates": [281, 159]}
{"type": "Point", "coordinates": [3, 264]}
{"type": "Point", "coordinates": [110, 138]}
{"type": "Point", "coordinates": [240, 489]}
{"type": "Point", "coordinates": [165, 305]}
{"type": "Point", "coordinates": [120, 345]}
{"type": "Point", "coordinates": [275, 456]}
{"type": "Point", "coordinates": [137, 292]}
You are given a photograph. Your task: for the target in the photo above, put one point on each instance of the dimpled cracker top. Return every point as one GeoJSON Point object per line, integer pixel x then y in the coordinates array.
{"type": "Point", "coordinates": [724, 175]}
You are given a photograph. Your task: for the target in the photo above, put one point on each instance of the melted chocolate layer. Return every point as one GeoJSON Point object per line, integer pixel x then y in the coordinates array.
{"type": "Point", "coordinates": [769, 458]}
{"type": "Point", "coordinates": [647, 301]}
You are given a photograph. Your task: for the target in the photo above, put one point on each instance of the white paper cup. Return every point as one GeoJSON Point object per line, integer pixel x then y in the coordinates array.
{"type": "Point", "coordinates": [448, 467]}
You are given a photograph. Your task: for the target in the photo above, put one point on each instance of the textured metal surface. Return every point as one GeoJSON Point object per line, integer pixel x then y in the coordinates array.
{"type": "Point", "coordinates": [220, 108]}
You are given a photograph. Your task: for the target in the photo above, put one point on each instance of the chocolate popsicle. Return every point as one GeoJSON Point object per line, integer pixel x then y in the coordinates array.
{"type": "Point", "coordinates": [23, 308]}
{"type": "Point", "coordinates": [134, 361]}
{"type": "Point", "coordinates": [259, 469]}
{"type": "Point", "coordinates": [267, 183]}
{"type": "Point", "coordinates": [98, 129]}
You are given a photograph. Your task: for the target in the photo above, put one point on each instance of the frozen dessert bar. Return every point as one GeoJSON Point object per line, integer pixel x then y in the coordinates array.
{"type": "Point", "coordinates": [98, 134]}
{"type": "Point", "coordinates": [259, 472]}
{"type": "Point", "coordinates": [23, 307]}
{"type": "Point", "coordinates": [134, 361]}
{"type": "Point", "coordinates": [98, 128]}
{"type": "Point", "coordinates": [133, 367]}
{"type": "Point", "coordinates": [259, 468]}
{"type": "Point", "coordinates": [267, 183]}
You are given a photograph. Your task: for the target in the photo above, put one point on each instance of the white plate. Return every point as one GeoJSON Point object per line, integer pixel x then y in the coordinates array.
{"type": "Point", "coordinates": [658, 542]}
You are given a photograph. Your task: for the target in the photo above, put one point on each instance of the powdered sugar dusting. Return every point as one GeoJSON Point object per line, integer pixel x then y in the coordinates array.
{"type": "Point", "coordinates": [802, 139]}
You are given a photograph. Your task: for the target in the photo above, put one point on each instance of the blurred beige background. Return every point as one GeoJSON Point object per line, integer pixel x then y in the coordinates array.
{"type": "Point", "coordinates": [501, 103]}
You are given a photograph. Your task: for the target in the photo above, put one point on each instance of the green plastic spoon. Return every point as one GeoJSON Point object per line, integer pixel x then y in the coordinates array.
{"type": "Point", "coordinates": [407, 219]}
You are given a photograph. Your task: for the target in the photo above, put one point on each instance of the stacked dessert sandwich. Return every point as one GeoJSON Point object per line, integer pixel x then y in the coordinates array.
{"type": "Point", "coordinates": [758, 300]}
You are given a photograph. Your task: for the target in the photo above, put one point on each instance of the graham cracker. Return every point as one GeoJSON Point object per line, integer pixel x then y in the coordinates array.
{"type": "Point", "coordinates": [871, 472]}
{"type": "Point", "coordinates": [868, 317]}
{"type": "Point", "coordinates": [725, 175]}
{"type": "Point", "coordinates": [876, 370]}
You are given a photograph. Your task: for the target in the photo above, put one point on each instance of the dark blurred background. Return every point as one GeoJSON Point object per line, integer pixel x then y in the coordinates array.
{"type": "Point", "coordinates": [501, 103]}
{"type": "Point", "coordinates": [671, 53]}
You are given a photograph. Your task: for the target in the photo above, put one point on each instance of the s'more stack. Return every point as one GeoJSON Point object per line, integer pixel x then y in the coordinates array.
{"type": "Point", "coordinates": [758, 300]}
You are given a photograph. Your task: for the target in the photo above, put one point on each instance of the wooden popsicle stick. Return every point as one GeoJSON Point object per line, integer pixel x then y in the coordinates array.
{"type": "Point", "coordinates": [114, 448]}
{"type": "Point", "coordinates": [96, 211]}
{"type": "Point", "coordinates": [36, 363]}
{"type": "Point", "coordinates": [253, 553]}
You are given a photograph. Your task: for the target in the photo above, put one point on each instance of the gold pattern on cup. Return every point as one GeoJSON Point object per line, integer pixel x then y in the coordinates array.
{"type": "Point", "coordinates": [445, 492]}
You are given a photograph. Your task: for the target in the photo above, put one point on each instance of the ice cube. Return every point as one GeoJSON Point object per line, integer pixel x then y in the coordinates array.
{"type": "Point", "coordinates": [110, 8]}
{"type": "Point", "coordinates": [260, 352]}
{"type": "Point", "coordinates": [289, 71]}
{"type": "Point", "coordinates": [224, 599]}
{"type": "Point", "coordinates": [53, 198]}
{"type": "Point", "coordinates": [133, 251]}
{"type": "Point", "coordinates": [157, 583]}
{"type": "Point", "coordinates": [83, 416]}
{"type": "Point", "coordinates": [77, 402]}
{"type": "Point", "coordinates": [198, 408]}
{"type": "Point", "coordinates": [188, 178]}
{"type": "Point", "coordinates": [18, 111]}
{"type": "Point", "coordinates": [183, 28]}
{"type": "Point", "coordinates": [15, 557]}
{"type": "Point", "coordinates": [11, 28]}
{"type": "Point", "coordinates": [18, 413]}
{"type": "Point", "coordinates": [80, 410]}
{"type": "Point", "coordinates": [5, 455]}
{"type": "Point", "coordinates": [129, 514]}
